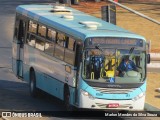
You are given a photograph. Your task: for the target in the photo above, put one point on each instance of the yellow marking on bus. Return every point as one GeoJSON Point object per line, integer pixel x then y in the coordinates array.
{"type": "Point", "coordinates": [92, 75]}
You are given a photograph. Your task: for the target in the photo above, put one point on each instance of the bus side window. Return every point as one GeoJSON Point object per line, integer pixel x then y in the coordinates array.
{"type": "Point", "coordinates": [41, 30]}
{"type": "Point", "coordinates": [21, 31]}
{"type": "Point", "coordinates": [78, 57]}
{"type": "Point", "coordinates": [60, 46]}
{"type": "Point", "coordinates": [69, 51]}
{"type": "Point", "coordinates": [51, 34]}
{"type": "Point", "coordinates": [71, 44]}
{"type": "Point", "coordinates": [61, 39]}
{"type": "Point", "coordinates": [49, 48]}
{"type": "Point", "coordinates": [39, 44]}
{"type": "Point", "coordinates": [31, 40]}
{"type": "Point", "coordinates": [32, 27]}
{"type": "Point", "coordinates": [59, 52]}
{"type": "Point", "coordinates": [16, 28]}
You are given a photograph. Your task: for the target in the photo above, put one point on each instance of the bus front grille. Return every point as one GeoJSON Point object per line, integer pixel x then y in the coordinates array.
{"type": "Point", "coordinates": [114, 90]}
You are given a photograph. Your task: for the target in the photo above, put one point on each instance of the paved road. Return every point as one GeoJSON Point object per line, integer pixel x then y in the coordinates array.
{"type": "Point", "coordinates": [154, 66]}
{"type": "Point", "coordinates": [14, 93]}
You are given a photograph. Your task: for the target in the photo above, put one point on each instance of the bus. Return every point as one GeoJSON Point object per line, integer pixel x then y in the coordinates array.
{"type": "Point", "coordinates": [74, 57]}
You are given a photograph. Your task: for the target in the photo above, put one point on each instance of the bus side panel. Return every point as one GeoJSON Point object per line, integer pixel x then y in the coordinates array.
{"type": "Point", "coordinates": [50, 85]}
{"type": "Point", "coordinates": [15, 56]}
{"type": "Point", "coordinates": [14, 66]}
{"type": "Point", "coordinates": [72, 95]}
{"type": "Point", "coordinates": [50, 72]}
{"type": "Point", "coordinates": [26, 74]}
{"type": "Point", "coordinates": [47, 64]}
{"type": "Point", "coordinates": [26, 63]}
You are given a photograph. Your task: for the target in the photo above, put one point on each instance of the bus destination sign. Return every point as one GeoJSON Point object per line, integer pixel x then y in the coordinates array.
{"type": "Point", "coordinates": [116, 41]}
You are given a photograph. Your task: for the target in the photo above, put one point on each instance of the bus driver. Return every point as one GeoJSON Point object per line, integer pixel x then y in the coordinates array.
{"type": "Point", "coordinates": [125, 66]}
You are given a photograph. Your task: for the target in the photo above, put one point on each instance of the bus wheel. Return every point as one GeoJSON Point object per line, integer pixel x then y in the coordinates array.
{"type": "Point", "coordinates": [67, 104]}
{"type": "Point", "coordinates": [33, 89]}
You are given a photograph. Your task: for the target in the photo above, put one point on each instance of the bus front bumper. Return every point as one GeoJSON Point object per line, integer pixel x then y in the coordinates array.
{"type": "Point", "coordinates": [90, 102]}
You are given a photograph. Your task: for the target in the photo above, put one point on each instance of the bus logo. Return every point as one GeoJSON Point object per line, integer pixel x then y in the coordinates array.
{"type": "Point", "coordinates": [117, 86]}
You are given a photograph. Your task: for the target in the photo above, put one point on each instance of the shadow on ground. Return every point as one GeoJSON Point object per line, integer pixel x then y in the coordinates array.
{"type": "Point", "coordinates": [16, 96]}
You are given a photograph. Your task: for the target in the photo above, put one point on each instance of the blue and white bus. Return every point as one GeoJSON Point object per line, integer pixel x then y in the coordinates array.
{"type": "Point", "coordinates": [74, 57]}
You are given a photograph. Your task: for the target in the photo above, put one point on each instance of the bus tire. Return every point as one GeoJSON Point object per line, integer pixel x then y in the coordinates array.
{"type": "Point", "coordinates": [32, 84]}
{"type": "Point", "coordinates": [67, 104]}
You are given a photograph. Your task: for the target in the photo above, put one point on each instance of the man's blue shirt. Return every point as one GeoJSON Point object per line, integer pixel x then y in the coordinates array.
{"type": "Point", "coordinates": [127, 67]}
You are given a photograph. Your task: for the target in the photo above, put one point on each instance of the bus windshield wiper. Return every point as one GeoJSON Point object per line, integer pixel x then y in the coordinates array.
{"type": "Point", "coordinates": [131, 50]}
{"type": "Point", "coordinates": [98, 47]}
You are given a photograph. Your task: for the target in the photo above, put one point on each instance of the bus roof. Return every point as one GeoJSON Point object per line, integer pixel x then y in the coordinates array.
{"type": "Point", "coordinates": [76, 25]}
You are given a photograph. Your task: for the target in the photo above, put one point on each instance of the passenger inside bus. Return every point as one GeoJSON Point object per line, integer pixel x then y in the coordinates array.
{"type": "Point", "coordinates": [99, 66]}
{"type": "Point", "coordinates": [108, 68]}
{"type": "Point", "coordinates": [93, 65]}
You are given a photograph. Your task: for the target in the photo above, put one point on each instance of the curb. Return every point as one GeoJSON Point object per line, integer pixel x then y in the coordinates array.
{"type": "Point", "coordinates": [155, 60]}
{"type": "Point", "coordinates": [153, 65]}
{"type": "Point", "coordinates": [148, 107]}
{"type": "Point", "coordinates": [155, 56]}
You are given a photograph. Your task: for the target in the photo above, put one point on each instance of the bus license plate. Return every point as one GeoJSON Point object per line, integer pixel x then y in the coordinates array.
{"type": "Point", "coordinates": [113, 105]}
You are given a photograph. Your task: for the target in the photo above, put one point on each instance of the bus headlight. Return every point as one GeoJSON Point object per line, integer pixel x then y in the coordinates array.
{"type": "Point", "coordinates": [138, 96]}
{"type": "Point", "coordinates": [87, 94]}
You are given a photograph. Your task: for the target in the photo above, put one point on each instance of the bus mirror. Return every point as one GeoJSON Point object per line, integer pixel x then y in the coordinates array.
{"type": "Point", "coordinates": [148, 58]}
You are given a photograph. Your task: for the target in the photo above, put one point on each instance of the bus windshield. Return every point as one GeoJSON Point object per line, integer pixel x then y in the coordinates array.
{"type": "Point", "coordinates": [113, 64]}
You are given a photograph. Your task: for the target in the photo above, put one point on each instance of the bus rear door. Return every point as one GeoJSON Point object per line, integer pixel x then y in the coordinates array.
{"type": "Point", "coordinates": [18, 47]}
